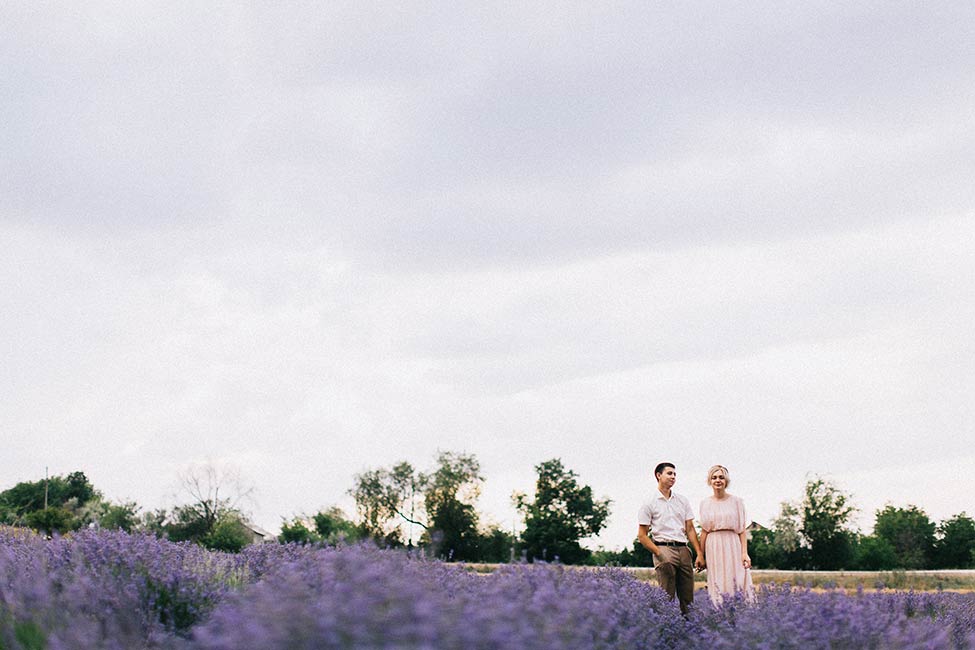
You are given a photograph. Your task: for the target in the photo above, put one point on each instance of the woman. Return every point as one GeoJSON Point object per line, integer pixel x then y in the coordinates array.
{"type": "Point", "coordinates": [724, 539]}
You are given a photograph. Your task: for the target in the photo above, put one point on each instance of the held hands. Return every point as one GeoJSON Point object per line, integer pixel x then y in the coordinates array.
{"type": "Point", "coordinates": [700, 564]}
{"type": "Point", "coordinates": [746, 561]}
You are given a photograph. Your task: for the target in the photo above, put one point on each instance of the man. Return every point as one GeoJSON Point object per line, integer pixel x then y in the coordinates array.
{"type": "Point", "coordinates": [666, 525]}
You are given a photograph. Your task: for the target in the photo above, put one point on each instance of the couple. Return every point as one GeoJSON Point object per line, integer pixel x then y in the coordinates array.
{"type": "Point", "coordinates": [667, 524]}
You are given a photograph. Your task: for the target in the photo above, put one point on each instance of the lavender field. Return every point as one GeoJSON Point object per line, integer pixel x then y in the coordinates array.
{"type": "Point", "coordinates": [113, 590]}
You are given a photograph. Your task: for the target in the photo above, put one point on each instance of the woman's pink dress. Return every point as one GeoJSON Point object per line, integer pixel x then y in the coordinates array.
{"type": "Point", "coordinates": [724, 520]}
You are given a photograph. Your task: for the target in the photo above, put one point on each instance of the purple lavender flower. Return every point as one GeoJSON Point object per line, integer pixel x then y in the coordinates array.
{"type": "Point", "coordinates": [113, 590]}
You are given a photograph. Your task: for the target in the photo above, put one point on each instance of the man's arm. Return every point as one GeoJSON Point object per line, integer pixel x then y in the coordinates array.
{"type": "Point", "coordinates": [643, 535]}
{"type": "Point", "coordinates": [692, 537]}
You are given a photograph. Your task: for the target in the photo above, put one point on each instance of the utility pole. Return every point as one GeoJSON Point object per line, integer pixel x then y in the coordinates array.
{"type": "Point", "coordinates": [412, 508]}
{"type": "Point", "coordinates": [45, 487]}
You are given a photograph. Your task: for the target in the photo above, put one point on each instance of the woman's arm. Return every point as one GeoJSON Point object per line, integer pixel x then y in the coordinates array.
{"type": "Point", "coordinates": [743, 535]}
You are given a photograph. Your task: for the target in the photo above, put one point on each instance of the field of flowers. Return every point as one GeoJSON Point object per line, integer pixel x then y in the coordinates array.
{"type": "Point", "coordinates": [112, 590]}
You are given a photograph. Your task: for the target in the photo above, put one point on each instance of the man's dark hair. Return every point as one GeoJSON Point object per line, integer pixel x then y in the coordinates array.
{"type": "Point", "coordinates": [660, 469]}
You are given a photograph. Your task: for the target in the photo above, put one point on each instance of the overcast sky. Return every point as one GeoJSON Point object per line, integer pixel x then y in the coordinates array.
{"type": "Point", "coordinates": [307, 241]}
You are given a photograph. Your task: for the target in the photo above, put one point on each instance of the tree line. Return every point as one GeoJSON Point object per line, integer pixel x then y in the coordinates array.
{"type": "Point", "coordinates": [816, 533]}
{"type": "Point", "coordinates": [61, 504]}
{"type": "Point", "coordinates": [434, 511]}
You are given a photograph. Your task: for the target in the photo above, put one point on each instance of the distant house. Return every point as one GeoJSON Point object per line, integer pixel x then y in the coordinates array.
{"type": "Point", "coordinates": [258, 535]}
{"type": "Point", "coordinates": [752, 527]}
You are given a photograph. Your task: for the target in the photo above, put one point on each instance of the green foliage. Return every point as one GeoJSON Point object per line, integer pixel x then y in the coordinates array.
{"type": "Point", "coordinates": [29, 635]}
{"type": "Point", "coordinates": [453, 531]}
{"type": "Point", "coordinates": [448, 496]}
{"type": "Point", "coordinates": [29, 496]}
{"type": "Point", "coordinates": [826, 512]}
{"type": "Point", "coordinates": [383, 497]}
{"type": "Point", "coordinates": [387, 498]}
{"type": "Point", "coordinates": [640, 554]}
{"type": "Point", "coordinates": [787, 527]}
{"type": "Point", "coordinates": [229, 535]}
{"type": "Point", "coordinates": [875, 553]}
{"type": "Point", "coordinates": [8, 517]}
{"type": "Point", "coordinates": [153, 522]}
{"type": "Point", "coordinates": [637, 556]}
{"type": "Point", "coordinates": [111, 516]}
{"type": "Point", "coordinates": [122, 516]}
{"type": "Point", "coordinates": [815, 535]}
{"type": "Point", "coordinates": [955, 546]}
{"type": "Point", "coordinates": [497, 545]}
{"type": "Point", "coordinates": [187, 524]}
{"type": "Point", "coordinates": [52, 520]}
{"type": "Point", "coordinates": [208, 509]}
{"type": "Point", "coordinates": [333, 528]}
{"type": "Point", "coordinates": [296, 532]}
{"type": "Point", "coordinates": [910, 533]}
{"type": "Point", "coordinates": [325, 527]}
{"type": "Point", "coordinates": [561, 514]}
{"type": "Point", "coordinates": [765, 552]}
{"type": "Point", "coordinates": [69, 493]}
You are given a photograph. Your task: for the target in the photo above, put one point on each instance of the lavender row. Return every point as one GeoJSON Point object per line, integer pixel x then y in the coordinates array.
{"type": "Point", "coordinates": [113, 590]}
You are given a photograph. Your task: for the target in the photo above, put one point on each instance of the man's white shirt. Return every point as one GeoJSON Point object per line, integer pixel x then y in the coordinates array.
{"type": "Point", "coordinates": [666, 517]}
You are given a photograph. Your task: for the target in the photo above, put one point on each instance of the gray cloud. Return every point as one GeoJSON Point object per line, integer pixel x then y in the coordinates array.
{"type": "Point", "coordinates": [314, 240]}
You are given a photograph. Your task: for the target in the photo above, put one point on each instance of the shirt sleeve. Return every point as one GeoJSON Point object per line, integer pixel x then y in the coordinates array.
{"type": "Point", "coordinates": [742, 516]}
{"type": "Point", "coordinates": [643, 517]}
{"type": "Point", "coordinates": [705, 521]}
{"type": "Point", "coordinates": [688, 510]}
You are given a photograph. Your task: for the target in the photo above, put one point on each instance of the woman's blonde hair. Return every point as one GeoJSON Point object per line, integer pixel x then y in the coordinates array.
{"type": "Point", "coordinates": [727, 475]}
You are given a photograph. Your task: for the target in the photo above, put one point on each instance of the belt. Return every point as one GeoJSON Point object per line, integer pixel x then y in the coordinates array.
{"type": "Point", "coordinates": [669, 543]}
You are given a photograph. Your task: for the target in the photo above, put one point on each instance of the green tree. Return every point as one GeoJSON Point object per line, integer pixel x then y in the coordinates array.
{"type": "Point", "coordinates": [765, 552]}
{"type": "Point", "coordinates": [875, 553]}
{"type": "Point", "coordinates": [111, 516]}
{"type": "Point", "coordinates": [440, 503]}
{"type": "Point", "coordinates": [55, 504]}
{"type": "Point", "coordinates": [909, 532]}
{"type": "Point", "coordinates": [449, 494]}
{"type": "Point", "coordinates": [49, 521]}
{"type": "Point", "coordinates": [71, 492]}
{"type": "Point", "coordinates": [826, 512]}
{"type": "Point", "coordinates": [385, 498]}
{"type": "Point", "coordinates": [296, 531]}
{"type": "Point", "coordinates": [120, 516]}
{"type": "Point", "coordinates": [153, 522]}
{"type": "Point", "coordinates": [229, 535]}
{"type": "Point", "coordinates": [185, 524]}
{"type": "Point", "coordinates": [561, 514]}
{"type": "Point", "coordinates": [215, 494]}
{"type": "Point", "coordinates": [332, 527]}
{"type": "Point", "coordinates": [325, 527]}
{"type": "Point", "coordinates": [955, 546]}
{"type": "Point", "coordinates": [782, 546]}
{"type": "Point", "coordinates": [640, 555]}
{"type": "Point", "coordinates": [497, 545]}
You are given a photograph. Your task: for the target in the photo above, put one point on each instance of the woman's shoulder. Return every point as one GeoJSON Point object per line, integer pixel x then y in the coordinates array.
{"type": "Point", "coordinates": [707, 501]}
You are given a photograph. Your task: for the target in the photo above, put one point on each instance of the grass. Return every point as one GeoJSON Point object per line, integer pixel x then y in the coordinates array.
{"type": "Point", "coordinates": [947, 580]}
{"type": "Point", "coordinates": [944, 580]}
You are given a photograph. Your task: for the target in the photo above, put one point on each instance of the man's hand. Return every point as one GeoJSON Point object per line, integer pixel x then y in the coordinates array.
{"type": "Point", "coordinates": [699, 563]}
